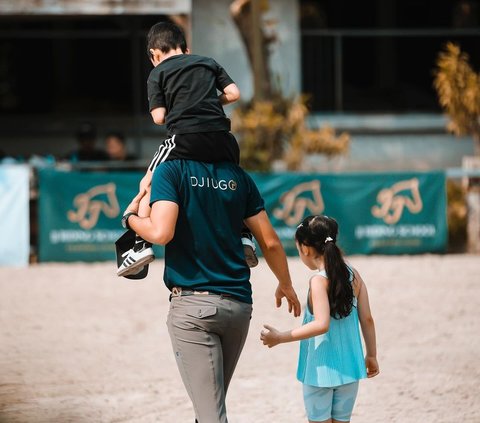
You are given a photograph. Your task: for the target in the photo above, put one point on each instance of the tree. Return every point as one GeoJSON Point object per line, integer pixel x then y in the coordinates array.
{"type": "Point", "coordinates": [458, 89]}
{"type": "Point", "coordinates": [246, 15]}
{"type": "Point", "coordinates": [270, 126]}
{"type": "Point", "coordinates": [276, 130]}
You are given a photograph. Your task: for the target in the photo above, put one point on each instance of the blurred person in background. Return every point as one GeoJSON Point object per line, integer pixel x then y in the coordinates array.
{"type": "Point", "coordinates": [116, 147]}
{"type": "Point", "coordinates": [86, 137]}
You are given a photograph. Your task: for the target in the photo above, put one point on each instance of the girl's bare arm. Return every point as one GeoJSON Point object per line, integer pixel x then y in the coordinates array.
{"type": "Point", "coordinates": [368, 327]}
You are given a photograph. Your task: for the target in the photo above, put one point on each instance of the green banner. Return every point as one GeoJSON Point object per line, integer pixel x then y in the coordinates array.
{"type": "Point", "coordinates": [378, 213]}
{"type": "Point", "coordinates": [80, 212]}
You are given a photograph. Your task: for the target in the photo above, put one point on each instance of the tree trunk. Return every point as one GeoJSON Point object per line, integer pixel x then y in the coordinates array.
{"type": "Point", "coordinates": [247, 18]}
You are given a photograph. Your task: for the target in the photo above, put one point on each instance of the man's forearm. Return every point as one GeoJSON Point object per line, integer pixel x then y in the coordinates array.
{"type": "Point", "coordinates": [144, 228]}
{"type": "Point", "coordinates": [159, 227]}
{"type": "Point", "coordinates": [277, 261]}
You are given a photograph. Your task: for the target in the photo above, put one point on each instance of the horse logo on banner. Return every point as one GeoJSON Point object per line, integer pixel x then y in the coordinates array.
{"type": "Point", "coordinates": [296, 203]}
{"type": "Point", "coordinates": [89, 206]}
{"type": "Point", "coordinates": [393, 201]}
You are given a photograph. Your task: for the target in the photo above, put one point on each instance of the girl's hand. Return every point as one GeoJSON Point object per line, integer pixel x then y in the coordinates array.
{"type": "Point", "coordinates": [372, 366]}
{"type": "Point", "coordinates": [270, 336]}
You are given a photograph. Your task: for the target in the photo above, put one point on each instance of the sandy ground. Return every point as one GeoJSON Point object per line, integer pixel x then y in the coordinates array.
{"type": "Point", "coordinates": [78, 344]}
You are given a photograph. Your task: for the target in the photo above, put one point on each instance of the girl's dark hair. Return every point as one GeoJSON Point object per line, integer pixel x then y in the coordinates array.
{"type": "Point", "coordinates": [320, 233]}
{"type": "Point", "coordinates": [166, 36]}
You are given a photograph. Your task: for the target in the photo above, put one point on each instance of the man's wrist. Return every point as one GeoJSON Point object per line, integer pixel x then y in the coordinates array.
{"type": "Point", "coordinates": [285, 284]}
{"type": "Point", "coordinates": [125, 218]}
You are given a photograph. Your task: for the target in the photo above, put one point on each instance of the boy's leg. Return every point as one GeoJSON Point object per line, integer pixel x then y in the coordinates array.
{"type": "Point", "coordinates": [144, 208]}
{"type": "Point", "coordinates": [141, 252]}
{"type": "Point", "coordinates": [145, 186]}
{"type": "Point", "coordinates": [249, 247]}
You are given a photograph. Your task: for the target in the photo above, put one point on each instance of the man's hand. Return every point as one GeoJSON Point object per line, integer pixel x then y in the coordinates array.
{"type": "Point", "coordinates": [292, 300]}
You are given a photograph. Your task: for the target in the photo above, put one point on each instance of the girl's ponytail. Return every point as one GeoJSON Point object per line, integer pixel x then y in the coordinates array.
{"type": "Point", "coordinates": [320, 232]}
{"type": "Point", "coordinates": [340, 290]}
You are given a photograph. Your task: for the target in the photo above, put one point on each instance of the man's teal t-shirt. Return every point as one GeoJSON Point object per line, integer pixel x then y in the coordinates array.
{"type": "Point", "coordinates": [206, 252]}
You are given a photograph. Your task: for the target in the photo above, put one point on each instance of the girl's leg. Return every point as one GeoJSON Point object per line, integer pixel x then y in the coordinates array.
{"type": "Point", "coordinates": [323, 421]}
{"type": "Point", "coordinates": [344, 397]}
{"type": "Point", "coordinates": [318, 403]}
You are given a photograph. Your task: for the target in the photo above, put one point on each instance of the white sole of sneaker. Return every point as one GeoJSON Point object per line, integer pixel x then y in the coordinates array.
{"type": "Point", "coordinates": [135, 268]}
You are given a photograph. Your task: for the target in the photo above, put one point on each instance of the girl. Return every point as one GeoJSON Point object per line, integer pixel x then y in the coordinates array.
{"type": "Point", "coordinates": [331, 357]}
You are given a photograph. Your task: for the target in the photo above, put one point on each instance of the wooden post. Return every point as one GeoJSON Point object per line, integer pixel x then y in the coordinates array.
{"type": "Point", "coordinates": [473, 204]}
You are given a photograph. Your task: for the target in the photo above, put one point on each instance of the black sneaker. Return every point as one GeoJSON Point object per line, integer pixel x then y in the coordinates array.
{"type": "Point", "coordinates": [134, 261]}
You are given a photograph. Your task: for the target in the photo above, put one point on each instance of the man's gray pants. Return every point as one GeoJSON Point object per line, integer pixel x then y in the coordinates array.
{"type": "Point", "coordinates": [208, 333]}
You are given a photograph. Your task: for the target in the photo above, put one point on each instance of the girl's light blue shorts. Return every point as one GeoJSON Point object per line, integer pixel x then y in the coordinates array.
{"type": "Point", "coordinates": [330, 403]}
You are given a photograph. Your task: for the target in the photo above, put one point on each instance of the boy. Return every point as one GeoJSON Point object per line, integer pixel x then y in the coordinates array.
{"type": "Point", "coordinates": [182, 93]}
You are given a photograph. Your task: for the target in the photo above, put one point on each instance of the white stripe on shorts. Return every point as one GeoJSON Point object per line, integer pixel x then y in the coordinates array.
{"type": "Point", "coordinates": [163, 152]}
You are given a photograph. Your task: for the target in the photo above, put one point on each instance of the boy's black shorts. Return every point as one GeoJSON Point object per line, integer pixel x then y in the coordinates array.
{"type": "Point", "coordinates": [209, 147]}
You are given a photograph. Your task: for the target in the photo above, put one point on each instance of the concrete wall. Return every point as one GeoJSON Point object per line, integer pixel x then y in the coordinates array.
{"type": "Point", "coordinates": [396, 153]}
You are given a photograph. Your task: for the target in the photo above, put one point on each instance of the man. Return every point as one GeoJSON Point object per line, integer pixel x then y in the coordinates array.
{"type": "Point", "coordinates": [182, 94]}
{"type": "Point", "coordinates": [198, 210]}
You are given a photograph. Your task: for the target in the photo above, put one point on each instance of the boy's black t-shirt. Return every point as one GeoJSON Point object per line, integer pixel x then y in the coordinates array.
{"type": "Point", "coordinates": [186, 85]}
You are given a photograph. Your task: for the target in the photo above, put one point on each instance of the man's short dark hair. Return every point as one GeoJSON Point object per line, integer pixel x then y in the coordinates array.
{"type": "Point", "coordinates": [166, 36]}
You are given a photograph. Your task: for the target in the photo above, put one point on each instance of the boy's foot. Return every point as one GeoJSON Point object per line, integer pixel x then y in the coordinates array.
{"type": "Point", "coordinates": [134, 261]}
{"type": "Point", "coordinates": [249, 249]}
{"type": "Point", "coordinates": [137, 271]}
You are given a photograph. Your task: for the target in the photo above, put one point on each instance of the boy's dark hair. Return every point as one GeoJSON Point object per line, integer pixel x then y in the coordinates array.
{"type": "Point", "coordinates": [320, 232]}
{"type": "Point", "coordinates": [166, 36]}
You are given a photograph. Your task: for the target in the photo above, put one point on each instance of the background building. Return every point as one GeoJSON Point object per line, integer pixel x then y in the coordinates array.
{"type": "Point", "coordinates": [367, 67]}
{"type": "Point", "coordinates": [66, 62]}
